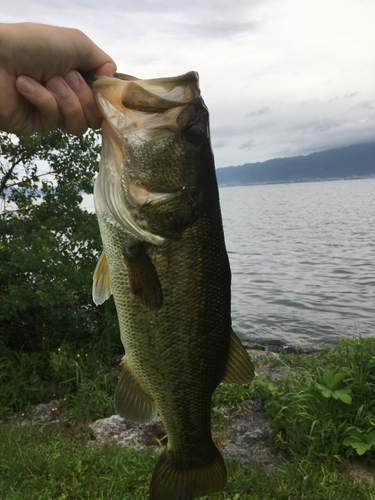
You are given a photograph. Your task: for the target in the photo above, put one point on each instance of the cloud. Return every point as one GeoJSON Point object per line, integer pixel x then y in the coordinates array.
{"type": "Point", "coordinates": [259, 112]}
{"type": "Point", "coordinates": [222, 143]}
{"type": "Point", "coordinates": [217, 28]}
{"type": "Point", "coordinates": [272, 82]}
{"type": "Point", "coordinates": [366, 105]}
{"type": "Point", "coordinates": [247, 145]}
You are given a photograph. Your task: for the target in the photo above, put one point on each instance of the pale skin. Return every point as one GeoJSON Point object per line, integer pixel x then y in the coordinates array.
{"type": "Point", "coordinates": [40, 81]}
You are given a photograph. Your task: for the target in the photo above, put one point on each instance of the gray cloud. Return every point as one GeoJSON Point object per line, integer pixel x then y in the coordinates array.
{"type": "Point", "coordinates": [259, 112]}
{"type": "Point", "coordinates": [218, 28]}
{"type": "Point", "coordinates": [247, 145]}
{"type": "Point", "coordinates": [366, 105]}
{"type": "Point", "coordinates": [268, 93]}
{"type": "Point", "coordinates": [222, 143]}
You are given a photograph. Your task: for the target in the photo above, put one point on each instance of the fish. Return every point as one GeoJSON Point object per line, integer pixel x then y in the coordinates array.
{"type": "Point", "coordinates": [165, 262]}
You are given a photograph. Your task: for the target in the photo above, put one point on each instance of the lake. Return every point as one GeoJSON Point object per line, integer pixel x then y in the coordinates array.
{"type": "Point", "coordinates": [302, 258]}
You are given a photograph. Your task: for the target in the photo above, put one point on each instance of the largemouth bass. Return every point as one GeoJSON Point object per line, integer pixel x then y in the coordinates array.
{"type": "Point", "coordinates": [164, 260]}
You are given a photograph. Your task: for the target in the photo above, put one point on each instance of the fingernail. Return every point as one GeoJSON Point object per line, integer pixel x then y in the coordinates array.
{"type": "Point", "coordinates": [72, 80]}
{"type": "Point", "coordinates": [107, 69]}
{"type": "Point", "coordinates": [56, 86]}
{"type": "Point", "coordinates": [27, 86]}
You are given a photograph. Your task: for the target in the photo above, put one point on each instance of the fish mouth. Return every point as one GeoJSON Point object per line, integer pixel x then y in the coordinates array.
{"type": "Point", "coordinates": [137, 112]}
{"type": "Point", "coordinates": [148, 96]}
{"type": "Point", "coordinates": [140, 110]}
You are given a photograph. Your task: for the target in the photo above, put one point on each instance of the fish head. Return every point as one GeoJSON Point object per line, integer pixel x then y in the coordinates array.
{"type": "Point", "coordinates": [157, 162]}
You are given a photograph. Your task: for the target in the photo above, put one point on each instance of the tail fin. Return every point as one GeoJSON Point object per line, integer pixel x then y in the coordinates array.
{"type": "Point", "coordinates": [172, 481]}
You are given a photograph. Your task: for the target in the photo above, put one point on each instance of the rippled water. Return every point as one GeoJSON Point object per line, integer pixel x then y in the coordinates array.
{"type": "Point", "coordinates": [302, 258]}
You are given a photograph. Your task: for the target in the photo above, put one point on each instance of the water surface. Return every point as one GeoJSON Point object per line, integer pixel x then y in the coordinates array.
{"type": "Point", "coordinates": [302, 258]}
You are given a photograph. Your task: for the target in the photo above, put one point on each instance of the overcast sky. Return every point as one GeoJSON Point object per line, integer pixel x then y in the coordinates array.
{"type": "Point", "coordinates": [280, 77]}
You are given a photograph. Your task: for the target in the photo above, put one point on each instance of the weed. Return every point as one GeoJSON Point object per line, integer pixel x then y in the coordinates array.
{"type": "Point", "coordinates": [328, 408]}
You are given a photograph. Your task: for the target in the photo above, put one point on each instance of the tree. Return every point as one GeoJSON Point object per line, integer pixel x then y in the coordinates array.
{"type": "Point", "coordinates": [49, 245]}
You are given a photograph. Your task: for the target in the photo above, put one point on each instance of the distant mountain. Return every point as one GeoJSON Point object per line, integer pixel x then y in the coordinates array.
{"type": "Point", "coordinates": [341, 163]}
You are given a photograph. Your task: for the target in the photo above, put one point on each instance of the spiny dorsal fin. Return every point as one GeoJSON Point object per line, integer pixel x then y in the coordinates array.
{"type": "Point", "coordinates": [144, 280]}
{"type": "Point", "coordinates": [239, 370]}
{"type": "Point", "coordinates": [101, 287]}
{"type": "Point", "coordinates": [131, 401]}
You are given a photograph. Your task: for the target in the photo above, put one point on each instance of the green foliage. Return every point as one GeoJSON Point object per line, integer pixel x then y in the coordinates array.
{"type": "Point", "coordinates": [77, 379]}
{"type": "Point", "coordinates": [49, 247]}
{"type": "Point", "coordinates": [329, 407]}
{"type": "Point", "coordinates": [233, 394]}
{"type": "Point", "coordinates": [331, 381]}
{"type": "Point", "coordinates": [22, 379]}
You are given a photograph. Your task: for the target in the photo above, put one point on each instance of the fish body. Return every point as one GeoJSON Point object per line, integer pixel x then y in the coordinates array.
{"type": "Point", "coordinates": [164, 260]}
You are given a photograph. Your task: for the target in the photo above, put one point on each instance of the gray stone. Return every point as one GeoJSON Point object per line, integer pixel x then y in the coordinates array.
{"type": "Point", "coordinates": [275, 372]}
{"type": "Point", "coordinates": [41, 415]}
{"type": "Point", "coordinates": [118, 430]}
{"type": "Point", "coordinates": [256, 353]}
{"type": "Point", "coordinates": [248, 431]}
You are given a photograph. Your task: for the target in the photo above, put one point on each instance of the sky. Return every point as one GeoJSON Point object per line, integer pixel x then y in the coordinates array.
{"type": "Point", "coordinates": [280, 77]}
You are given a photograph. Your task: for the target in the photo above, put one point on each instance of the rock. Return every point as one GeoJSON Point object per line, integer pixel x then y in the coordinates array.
{"type": "Point", "coordinates": [256, 347]}
{"type": "Point", "coordinates": [41, 415]}
{"type": "Point", "coordinates": [256, 353]}
{"type": "Point", "coordinates": [275, 372]}
{"type": "Point", "coordinates": [247, 432]}
{"type": "Point", "coordinates": [361, 473]}
{"type": "Point", "coordinates": [118, 430]}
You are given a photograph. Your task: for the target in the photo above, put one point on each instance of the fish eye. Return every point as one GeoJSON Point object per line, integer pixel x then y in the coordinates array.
{"type": "Point", "coordinates": [194, 134]}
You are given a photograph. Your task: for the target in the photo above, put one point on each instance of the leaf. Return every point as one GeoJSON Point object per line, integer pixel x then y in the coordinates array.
{"type": "Point", "coordinates": [361, 448]}
{"type": "Point", "coordinates": [371, 438]}
{"type": "Point", "coordinates": [331, 380]}
{"type": "Point", "coordinates": [343, 394]}
{"type": "Point", "coordinates": [338, 377]}
{"type": "Point", "coordinates": [328, 379]}
{"type": "Point", "coordinates": [327, 393]}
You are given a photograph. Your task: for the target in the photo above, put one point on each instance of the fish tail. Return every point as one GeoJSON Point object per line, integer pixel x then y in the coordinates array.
{"type": "Point", "coordinates": [172, 480]}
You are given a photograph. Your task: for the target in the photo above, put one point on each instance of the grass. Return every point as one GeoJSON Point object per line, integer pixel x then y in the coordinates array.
{"type": "Point", "coordinates": [41, 464]}
{"type": "Point", "coordinates": [323, 416]}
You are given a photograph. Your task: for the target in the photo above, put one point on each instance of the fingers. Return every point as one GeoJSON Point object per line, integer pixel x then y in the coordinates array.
{"type": "Point", "coordinates": [84, 93]}
{"type": "Point", "coordinates": [76, 102]}
{"type": "Point", "coordinates": [67, 102]}
{"type": "Point", "coordinates": [48, 112]}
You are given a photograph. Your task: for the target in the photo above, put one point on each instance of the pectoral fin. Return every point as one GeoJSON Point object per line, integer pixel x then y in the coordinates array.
{"type": "Point", "coordinates": [101, 287]}
{"type": "Point", "coordinates": [131, 401]}
{"type": "Point", "coordinates": [144, 280]}
{"type": "Point", "coordinates": [239, 370]}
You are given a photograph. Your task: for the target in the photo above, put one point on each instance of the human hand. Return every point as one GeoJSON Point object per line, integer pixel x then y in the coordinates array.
{"type": "Point", "coordinates": [40, 86]}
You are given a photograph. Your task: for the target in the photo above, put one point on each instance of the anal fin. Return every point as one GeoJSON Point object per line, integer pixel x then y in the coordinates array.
{"type": "Point", "coordinates": [144, 280]}
{"type": "Point", "coordinates": [239, 369]}
{"type": "Point", "coordinates": [131, 401]}
{"type": "Point", "coordinates": [101, 286]}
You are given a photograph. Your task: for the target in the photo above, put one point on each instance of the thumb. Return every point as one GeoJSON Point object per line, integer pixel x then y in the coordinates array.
{"type": "Point", "coordinates": [106, 69]}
